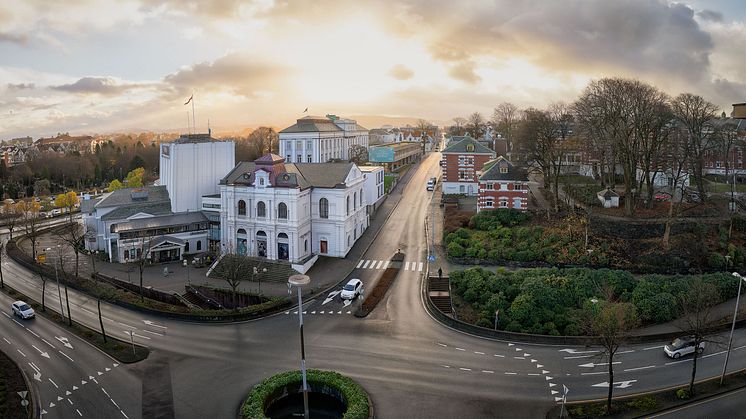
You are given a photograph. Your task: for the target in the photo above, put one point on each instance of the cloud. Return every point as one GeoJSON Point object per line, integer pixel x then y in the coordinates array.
{"type": "Point", "coordinates": [21, 86]}
{"type": "Point", "coordinates": [401, 72]}
{"type": "Point", "coordinates": [464, 71]}
{"type": "Point", "coordinates": [236, 72]}
{"type": "Point", "coordinates": [95, 85]}
{"type": "Point", "coordinates": [14, 38]}
{"type": "Point", "coordinates": [710, 15]}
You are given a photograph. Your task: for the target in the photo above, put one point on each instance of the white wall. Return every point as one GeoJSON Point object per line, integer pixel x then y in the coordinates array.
{"type": "Point", "coordinates": [373, 189]}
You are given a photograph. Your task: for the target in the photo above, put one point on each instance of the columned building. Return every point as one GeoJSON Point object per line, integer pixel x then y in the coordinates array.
{"type": "Point", "coordinates": [317, 139]}
{"type": "Point", "coordinates": [292, 211]}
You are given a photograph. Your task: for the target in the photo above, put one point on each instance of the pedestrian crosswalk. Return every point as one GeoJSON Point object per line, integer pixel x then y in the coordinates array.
{"type": "Point", "coordinates": [383, 264]}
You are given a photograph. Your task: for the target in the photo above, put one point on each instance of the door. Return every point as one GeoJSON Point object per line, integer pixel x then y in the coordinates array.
{"type": "Point", "coordinates": [323, 247]}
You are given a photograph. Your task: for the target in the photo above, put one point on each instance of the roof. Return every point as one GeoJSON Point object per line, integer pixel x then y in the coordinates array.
{"type": "Point", "coordinates": [461, 147]}
{"type": "Point", "coordinates": [491, 171]}
{"type": "Point", "coordinates": [370, 168]}
{"type": "Point", "coordinates": [312, 124]}
{"type": "Point", "coordinates": [163, 239]}
{"type": "Point", "coordinates": [213, 195]}
{"type": "Point", "coordinates": [400, 144]}
{"type": "Point", "coordinates": [125, 196]}
{"type": "Point", "coordinates": [126, 211]}
{"type": "Point", "coordinates": [181, 218]}
{"type": "Point", "coordinates": [608, 193]}
{"type": "Point", "coordinates": [87, 205]}
{"type": "Point", "coordinates": [296, 175]}
{"type": "Point", "coordinates": [194, 139]}
{"type": "Point", "coordinates": [269, 158]}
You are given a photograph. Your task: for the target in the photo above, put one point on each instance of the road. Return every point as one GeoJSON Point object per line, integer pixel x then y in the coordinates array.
{"type": "Point", "coordinates": [411, 365]}
{"type": "Point", "coordinates": [727, 405]}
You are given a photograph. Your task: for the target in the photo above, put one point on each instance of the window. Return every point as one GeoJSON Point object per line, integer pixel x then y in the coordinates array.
{"type": "Point", "coordinates": [126, 254]}
{"type": "Point", "coordinates": [199, 244]}
{"type": "Point", "coordinates": [241, 207]}
{"type": "Point", "coordinates": [489, 204]}
{"type": "Point", "coordinates": [348, 205]}
{"type": "Point", "coordinates": [287, 158]}
{"type": "Point", "coordinates": [186, 247]}
{"type": "Point", "coordinates": [361, 197]}
{"type": "Point", "coordinates": [503, 169]}
{"type": "Point", "coordinates": [261, 209]}
{"type": "Point", "coordinates": [305, 246]}
{"type": "Point", "coordinates": [261, 181]}
{"type": "Point", "coordinates": [309, 158]}
{"type": "Point", "coordinates": [470, 147]}
{"type": "Point", "coordinates": [517, 187]}
{"type": "Point", "coordinates": [503, 203]}
{"type": "Point", "coordinates": [461, 175]}
{"type": "Point", "coordinates": [282, 211]}
{"type": "Point", "coordinates": [324, 208]}
{"type": "Point", "coordinates": [354, 201]}
{"type": "Point", "coordinates": [299, 159]}
{"type": "Point", "coordinates": [488, 186]}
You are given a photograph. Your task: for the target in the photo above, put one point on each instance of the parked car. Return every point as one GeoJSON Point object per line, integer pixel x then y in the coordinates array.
{"type": "Point", "coordinates": [682, 346]}
{"type": "Point", "coordinates": [431, 184]}
{"type": "Point", "coordinates": [662, 196]}
{"type": "Point", "coordinates": [352, 289]}
{"type": "Point", "coordinates": [23, 310]}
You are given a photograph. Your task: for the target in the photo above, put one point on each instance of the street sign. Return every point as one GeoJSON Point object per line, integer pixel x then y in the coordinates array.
{"type": "Point", "coordinates": [431, 258]}
{"type": "Point", "coordinates": [41, 258]}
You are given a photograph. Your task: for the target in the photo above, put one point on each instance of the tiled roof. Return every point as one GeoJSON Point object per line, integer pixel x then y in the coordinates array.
{"type": "Point", "coordinates": [181, 218]}
{"type": "Point", "coordinates": [491, 171]}
{"type": "Point", "coordinates": [125, 196]}
{"type": "Point", "coordinates": [300, 175]}
{"type": "Point", "coordinates": [126, 211]}
{"type": "Point", "coordinates": [461, 147]}
{"type": "Point", "coordinates": [312, 124]}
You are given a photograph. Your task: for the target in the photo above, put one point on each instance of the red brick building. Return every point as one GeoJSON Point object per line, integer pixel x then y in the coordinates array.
{"type": "Point", "coordinates": [502, 185]}
{"type": "Point", "coordinates": [461, 162]}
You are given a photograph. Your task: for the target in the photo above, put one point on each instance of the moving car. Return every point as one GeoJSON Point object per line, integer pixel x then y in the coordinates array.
{"type": "Point", "coordinates": [23, 310]}
{"type": "Point", "coordinates": [352, 289]}
{"type": "Point", "coordinates": [431, 184]}
{"type": "Point", "coordinates": [682, 346]}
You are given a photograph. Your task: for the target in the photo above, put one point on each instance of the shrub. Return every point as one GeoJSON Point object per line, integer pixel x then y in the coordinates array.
{"type": "Point", "coordinates": [682, 393]}
{"type": "Point", "coordinates": [455, 250]}
{"type": "Point", "coordinates": [643, 403]}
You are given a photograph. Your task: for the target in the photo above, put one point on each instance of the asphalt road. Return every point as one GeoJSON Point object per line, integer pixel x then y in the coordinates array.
{"type": "Point", "coordinates": [727, 405]}
{"type": "Point", "coordinates": [411, 365]}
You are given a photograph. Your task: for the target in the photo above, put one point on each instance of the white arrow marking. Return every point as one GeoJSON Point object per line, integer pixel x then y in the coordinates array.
{"type": "Point", "coordinates": [539, 366]}
{"type": "Point", "coordinates": [90, 377]}
{"type": "Point", "coordinates": [544, 372]}
{"type": "Point", "coordinates": [83, 382]}
{"type": "Point", "coordinates": [558, 399]}
{"type": "Point", "coordinates": [574, 351]}
{"type": "Point", "coordinates": [59, 399]}
{"type": "Point", "coordinates": [100, 373]}
{"type": "Point", "coordinates": [617, 384]}
{"type": "Point", "coordinates": [44, 354]}
{"type": "Point", "coordinates": [43, 412]}
{"type": "Point", "coordinates": [37, 376]}
{"type": "Point", "coordinates": [549, 378]}
{"type": "Point", "coordinates": [321, 312]}
{"type": "Point", "coordinates": [75, 388]}
{"type": "Point", "coordinates": [330, 297]}
{"type": "Point", "coordinates": [554, 392]}
{"type": "Point", "coordinates": [533, 361]}
{"type": "Point", "coordinates": [150, 323]}
{"type": "Point", "coordinates": [37, 372]}
{"type": "Point", "coordinates": [115, 365]}
{"type": "Point", "coordinates": [346, 302]}
{"type": "Point", "coordinates": [64, 341]}
{"type": "Point", "coordinates": [591, 364]}
{"type": "Point", "coordinates": [67, 393]}
{"type": "Point", "coordinates": [526, 355]}
{"type": "Point", "coordinates": [518, 349]}
{"type": "Point", "coordinates": [107, 369]}
{"type": "Point", "coordinates": [552, 384]}
{"type": "Point", "coordinates": [51, 405]}
{"type": "Point", "coordinates": [510, 344]}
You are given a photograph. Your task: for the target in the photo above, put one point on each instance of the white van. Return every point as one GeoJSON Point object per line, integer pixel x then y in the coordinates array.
{"type": "Point", "coordinates": [431, 184]}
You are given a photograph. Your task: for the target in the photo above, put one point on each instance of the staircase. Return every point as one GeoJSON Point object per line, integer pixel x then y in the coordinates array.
{"type": "Point", "coordinates": [439, 291]}
{"type": "Point", "coordinates": [277, 271]}
{"type": "Point", "coordinates": [195, 300]}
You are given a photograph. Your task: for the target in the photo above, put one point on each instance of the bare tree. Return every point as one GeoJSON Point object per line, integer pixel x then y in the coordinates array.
{"type": "Point", "coordinates": [677, 163]}
{"type": "Point", "coordinates": [424, 127]}
{"type": "Point", "coordinates": [699, 317]}
{"type": "Point", "coordinates": [29, 211]}
{"type": "Point", "coordinates": [696, 115]}
{"type": "Point", "coordinates": [593, 128]}
{"type": "Point", "coordinates": [74, 237]}
{"type": "Point", "coordinates": [505, 120]}
{"type": "Point", "coordinates": [476, 125]}
{"type": "Point", "coordinates": [612, 323]}
{"type": "Point", "coordinates": [653, 125]}
{"type": "Point", "coordinates": [726, 137]}
{"type": "Point", "coordinates": [9, 216]}
{"type": "Point", "coordinates": [458, 127]}
{"type": "Point", "coordinates": [358, 154]}
{"type": "Point", "coordinates": [141, 257]}
{"type": "Point", "coordinates": [234, 268]}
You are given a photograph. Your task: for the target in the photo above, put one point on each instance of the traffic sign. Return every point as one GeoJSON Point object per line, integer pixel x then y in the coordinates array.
{"type": "Point", "coordinates": [431, 258]}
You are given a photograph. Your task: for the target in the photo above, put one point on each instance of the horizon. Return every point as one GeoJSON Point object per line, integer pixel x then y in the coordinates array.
{"type": "Point", "coordinates": [100, 68]}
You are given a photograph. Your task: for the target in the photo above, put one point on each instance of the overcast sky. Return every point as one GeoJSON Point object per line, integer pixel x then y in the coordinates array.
{"type": "Point", "coordinates": [94, 67]}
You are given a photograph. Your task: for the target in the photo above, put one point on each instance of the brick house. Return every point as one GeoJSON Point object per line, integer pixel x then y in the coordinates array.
{"type": "Point", "coordinates": [461, 162]}
{"type": "Point", "coordinates": [502, 185]}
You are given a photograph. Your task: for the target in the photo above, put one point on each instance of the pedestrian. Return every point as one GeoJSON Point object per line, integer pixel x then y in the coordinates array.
{"type": "Point", "coordinates": [440, 273]}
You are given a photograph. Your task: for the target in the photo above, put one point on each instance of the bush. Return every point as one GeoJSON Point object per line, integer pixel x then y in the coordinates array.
{"type": "Point", "coordinates": [354, 395]}
{"type": "Point", "coordinates": [643, 403]}
{"type": "Point", "coordinates": [683, 393]}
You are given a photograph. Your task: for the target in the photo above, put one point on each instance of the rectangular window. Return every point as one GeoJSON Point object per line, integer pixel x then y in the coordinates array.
{"type": "Point", "coordinates": [489, 204]}
{"type": "Point", "coordinates": [504, 169]}
{"type": "Point", "coordinates": [462, 175]}
{"type": "Point", "coordinates": [503, 203]}
{"type": "Point", "coordinates": [287, 158]}
{"type": "Point", "coordinates": [309, 159]}
{"type": "Point", "coordinates": [517, 186]}
{"type": "Point", "coordinates": [488, 186]}
{"type": "Point", "coordinates": [299, 159]}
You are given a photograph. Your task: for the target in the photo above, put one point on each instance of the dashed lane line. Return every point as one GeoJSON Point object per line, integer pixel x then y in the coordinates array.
{"type": "Point", "coordinates": [639, 368]}
{"type": "Point", "coordinates": [65, 355]}
{"type": "Point", "coordinates": [653, 347]}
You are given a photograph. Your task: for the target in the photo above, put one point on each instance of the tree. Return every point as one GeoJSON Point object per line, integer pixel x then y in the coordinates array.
{"type": "Point", "coordinates": [114, 185]}
{"type": "Point", "coordinates": [458, 127]}
{"type": "Point", "coordinates": [134, 178]}
{"type": "Point", "coordinates": [68, 201]}
{"type": "Point", "coordinates": [697, 304]}
{"type": "Point", "coordinates": [141, 257]}
{"type": "Point", "coordinates": [41, 187]}
{"type": "Point", "coordinates": [424, 127]}
{"type": "Point", "coordinates": [137, 161]}
{"type": "Point", "coordinates": [612, 322]}
{"type": "Point", "coordinates": [696, 115]}
{"type": "Point", "coordinates": [358, 154]}
{"type": "Point", "coordinates": [678, 156]}
{"type": "Point", "coordinates": [234, 268]}
{"type": "Point", "coordinates": [537, 132]}
{"type": "Point", "coordinates": [505, 119]}
{"type": "Point", "coordinates": [653, 117]}
{"type": "Point", "coordinates": [476, 125]}
{"type": "Point", "coordinates": [29, 211]}
{"type": "Point", "coordinates": [74, 238]}
{"type": "Point", "coordinates": [2, 250]}
{"type": "Point", "coordinates": [9, 216]}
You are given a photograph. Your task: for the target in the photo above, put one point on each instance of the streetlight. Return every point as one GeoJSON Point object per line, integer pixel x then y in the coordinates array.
{"type": "Point", "coordinates": [299, 281]}
{"type": "Point", "coordinates": [57, 278]}
{"type": "Point", "coordinates": [733, 325]}
{"type": "Point", "coordinates": [256, 272]}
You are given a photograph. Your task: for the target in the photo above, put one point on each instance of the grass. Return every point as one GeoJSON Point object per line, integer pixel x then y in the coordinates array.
{"type": "Point", "coordinates": [724, 187]}
{"type": "Point", "coordinates": [388, 180]}
{"type": "Point", "coordinates": [117, 349]}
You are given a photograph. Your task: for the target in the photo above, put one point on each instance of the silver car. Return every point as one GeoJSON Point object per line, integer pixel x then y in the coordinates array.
{"type": "Point", "coordinates": [23, 310]}
{"type": "Point", "coordinates": [682, 346]}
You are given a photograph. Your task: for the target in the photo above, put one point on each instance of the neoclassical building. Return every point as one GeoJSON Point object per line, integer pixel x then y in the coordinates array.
{"type": "Point", "coordinates": [292, 211]}
{"type": "Point", "coordinates": [318, 139]}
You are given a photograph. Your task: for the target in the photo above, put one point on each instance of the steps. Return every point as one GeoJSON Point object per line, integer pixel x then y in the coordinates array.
{"type": "Point", "coordinates": [276, 271]}
{"type": "Point", "coordinates": [439, 291]}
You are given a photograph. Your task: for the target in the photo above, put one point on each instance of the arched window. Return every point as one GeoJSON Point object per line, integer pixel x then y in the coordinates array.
{"type": "Point", "coordinates": [324, 208]}
{"type": "Point", "coordinates": [305, 246]}
{"type": "Point", "coordinates": [199, 244]}
{"type": "Point", "coordinates": [282, 210]}
{"type": "Point", "coordinates": [186, 247]}
{"type": "Point", "coordinates": [354, 201]}
{"type": "Point", "coordinates": [261, 209]}
{"type": "Point", "coordinates": [361, 197]}
{"type": "Point", "coordinates": [348, 205]}
{"type": "Point", "coordinates": [241, 207]}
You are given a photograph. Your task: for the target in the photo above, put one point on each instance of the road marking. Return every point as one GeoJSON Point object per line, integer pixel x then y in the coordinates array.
{"type": "Point", "coordinates": [32, 332]}
{"type": "Point", "coordinates": [594, 373]}
{"type": "Point", "coordinates": [152, 333]}
{"type": "Point", "coordinates": [653, 347]}
{"type": "Point", "coordinates": [70, 401]}
{"type": "Point", "coordinates": [488, 371]}
{"type": "Point", "coordinates": [548, 378]}
{"type": "Point", "coordinates": [465, 369]}
{"type": "Point", "coordinates": [386, 265]}
{"type": "Point", "coordinates": [53, 383]}
{"type": "Point", "coordinates": [406, 268]}
{"type": "Point", "coordinates": [460, 349]}
{"type": "Point", "coordinates": [65, 355]}
{"type": "Point", "coordinates": [115, 403]}
{"type": "Point", "coordinates": [379, 265]}
{"type": "Point", "coordinates": [360, 263]}
{"type": "Point", "coordinates": [678, 362]}
{"type": "Point", "coordinates": [19, 351]}
{"type": "Point", "coordinates": [499, 356]}
{"type": "Point", "coordinates": [366, 264]}
{"type": "Point", "coordinates": [574, 351]}
{"type": "Point", "coordinates": [45, 341]}
{"type": "Point", "coordinates": [716, 353]}
{"type": "Point", "coordinates": [321, 312]}
{"type": "Point", "coordinates": [127, 326]}
{"type": "Point", "coordinates": [443, 345]}
{"type": "Point", "coordinates": [104, 390]}
{"type": "Point", "coordinates": [526, 355]}
{"type": "Point", "coordinates": [141, 336]}
{"type": "Point", "coordinates": [518, 357]}
{"type": "Point", "coordinates": [81, 415]}
{"type": "Point", "coordinates": [616, 384]}
{"type": "Point", "coordinates": [592, 365]}
{"type": "Point", "coordinates": [124, 415]}
{"type": "Point", "coordinates": [349, 312]}
{"type": "Point", "coordinates": [625, 352]}
{"type": "Point", "coordinates": [421, 265]}
{"type": "Point", "coordinates": [639, 368]}
{"type": "Point", "coordinates": [579, 356]}
{"type": "Point", "coordinates": [511, 373]}
{"type": "Point", "coordinates": [6, 340]}
{"type": "Point", "coordinates": [373, 264]}
{"type": "Point", "coordinates": [6, 315]}
{"type": "Point", "coordinates": [479, 353]}
{"type": "Point", "coordinates": [446, 366]}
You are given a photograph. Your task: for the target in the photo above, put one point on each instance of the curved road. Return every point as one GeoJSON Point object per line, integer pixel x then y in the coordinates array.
{"type": "Point", "coordinates": [411, 365]}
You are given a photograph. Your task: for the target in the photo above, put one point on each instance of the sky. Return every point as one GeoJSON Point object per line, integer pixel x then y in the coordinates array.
{"type": "Point", "coordinates": [87, 67]}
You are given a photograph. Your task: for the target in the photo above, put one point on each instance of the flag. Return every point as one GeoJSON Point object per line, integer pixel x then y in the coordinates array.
{"type": "Point", "coordinates": [190, 99]}
{"type": "Point", "coordinates": [306, 110]}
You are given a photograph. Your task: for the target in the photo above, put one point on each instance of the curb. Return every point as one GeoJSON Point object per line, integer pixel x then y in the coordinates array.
{"type": "Point", "coordinates": [36, 397]}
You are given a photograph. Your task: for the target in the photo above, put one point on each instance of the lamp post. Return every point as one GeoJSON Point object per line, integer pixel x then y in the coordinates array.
{"type": "Point", "coordinates": [255, 276]}
{"type": "Point", "coordinates": [57, 278]}
{"type": "Point", "coordinates": [733, 325]}
{"type": "Point", "coordinates": [299, 281]}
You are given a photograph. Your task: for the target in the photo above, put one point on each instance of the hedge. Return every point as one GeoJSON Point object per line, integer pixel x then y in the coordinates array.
{"type": "Point", "coordinates": [354, 396]}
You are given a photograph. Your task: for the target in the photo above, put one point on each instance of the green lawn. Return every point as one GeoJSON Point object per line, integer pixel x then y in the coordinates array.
{"type": "Point", "coordinates": [724, 187]}
{"type": "Point", "coordinates": [388, 180]}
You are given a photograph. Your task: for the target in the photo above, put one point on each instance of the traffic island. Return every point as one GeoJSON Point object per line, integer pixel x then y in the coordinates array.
{"type": "Point", "coordinates": [331, 395]}
{"type": "Point", "coordinates": [375, 296]}
{"type": "Point", "coordinates": [15, 397]}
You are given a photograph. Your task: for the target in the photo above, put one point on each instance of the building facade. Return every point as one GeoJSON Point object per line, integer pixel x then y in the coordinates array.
{"type": "Point", "coordinates": [502, 185]}
{"type": "Point", "coordinates": [316, 139]}
{"type": "Point", "coordinates": [393, 156]}
{"type": "Point", "coordinates": [292, 211]}
{"type": "Point", "coordinates": [461, 162]}
{"type": "Point", "coordinates": [192, 166]}
{"type": "Point", "coordinates": [373, 189]}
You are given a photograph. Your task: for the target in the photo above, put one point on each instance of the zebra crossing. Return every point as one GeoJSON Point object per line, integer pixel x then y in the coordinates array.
{"type": "Point", "coordinates": [383, 264]}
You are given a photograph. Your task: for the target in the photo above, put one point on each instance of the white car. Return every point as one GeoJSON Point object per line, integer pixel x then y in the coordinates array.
{"type": "Point", "coordinates": [23, 310]}
{"type": "Point", "coordinates": [682, 346]}
{"type": "Point", "coordinates": [351, 289]}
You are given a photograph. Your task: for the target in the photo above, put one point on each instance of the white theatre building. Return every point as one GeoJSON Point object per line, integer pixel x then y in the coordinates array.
{"type": "Point", "coordinates": [318, 139]}
{"type": "Point", "coordinates": [191, 166]}
{"type": "Point", "coordinates": [292, 211]}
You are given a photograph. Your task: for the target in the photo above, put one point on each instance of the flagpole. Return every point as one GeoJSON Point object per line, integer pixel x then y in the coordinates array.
{"type": "Point", "coordinates": [189, 127]}
{"type": "Point", "coordinates": [194, 121]}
